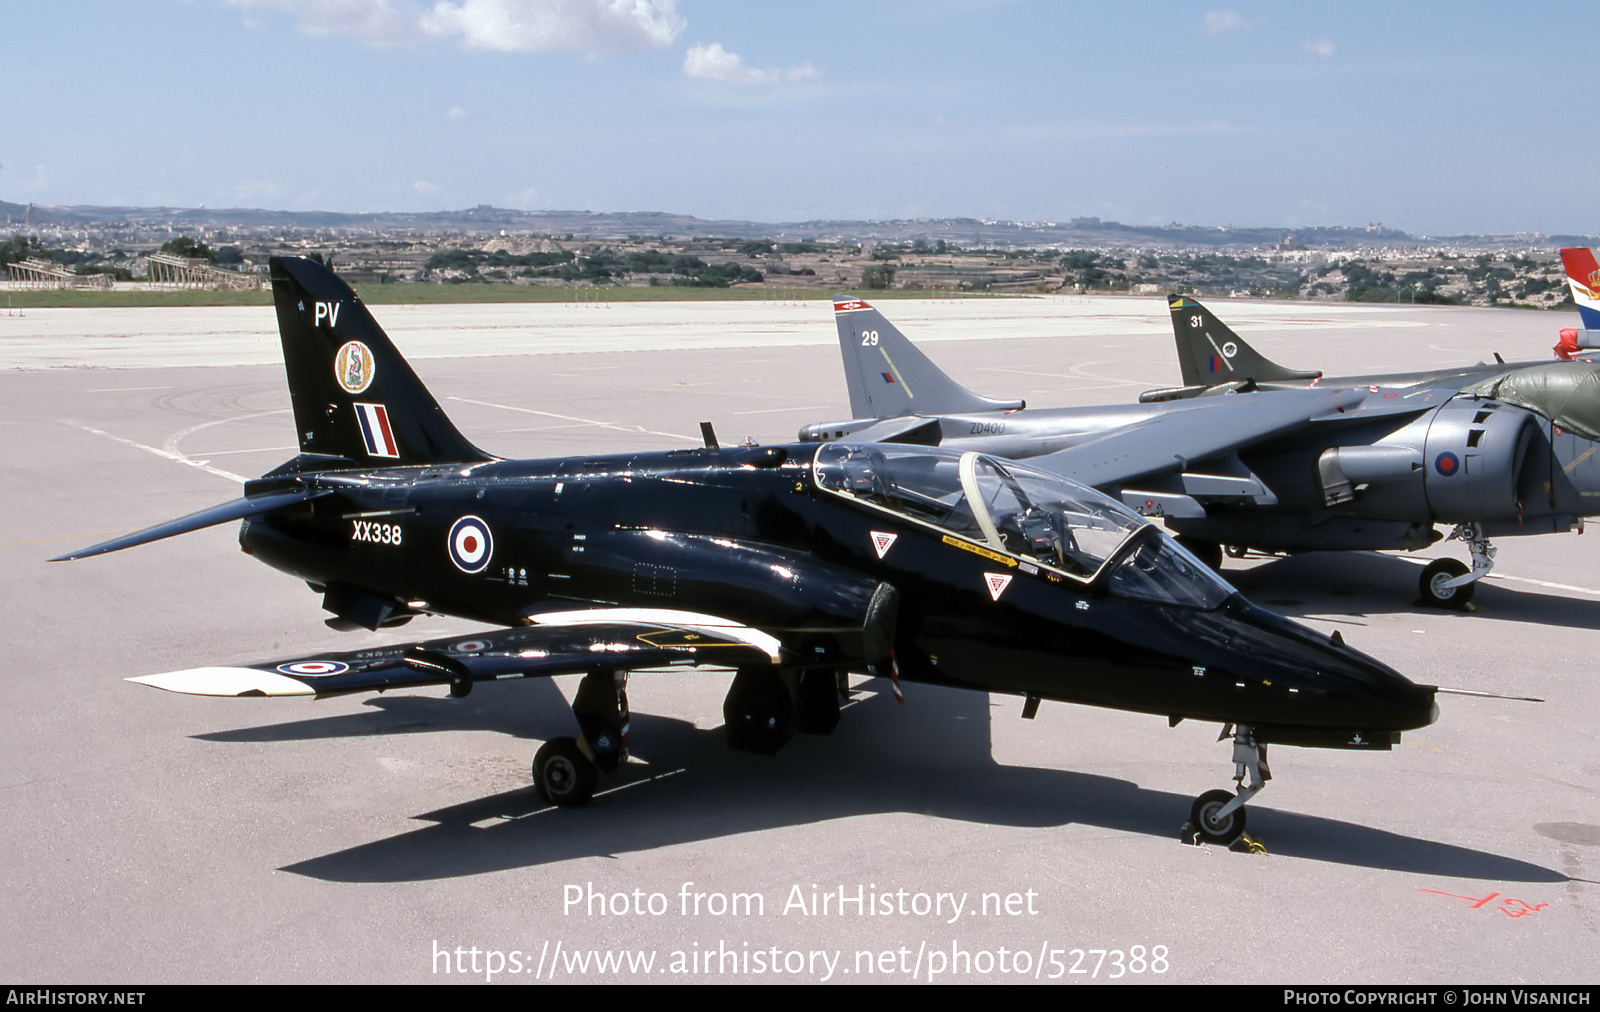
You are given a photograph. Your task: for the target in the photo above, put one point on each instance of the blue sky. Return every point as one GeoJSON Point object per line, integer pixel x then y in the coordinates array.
{"type": "Point", "coordinates": [1436, 118]}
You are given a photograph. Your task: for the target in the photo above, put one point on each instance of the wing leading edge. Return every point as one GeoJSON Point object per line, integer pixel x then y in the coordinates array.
{"type": "Point", "coordinates": [1173, 439]}
{"type": "Point", "coordinates": [561, 644]}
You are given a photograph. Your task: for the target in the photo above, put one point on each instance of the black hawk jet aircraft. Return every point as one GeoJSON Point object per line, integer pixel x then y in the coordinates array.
{"type": "Point", "coordinates": [1361, 464]}
{"type": "Point", "coordinates": [795, 565]}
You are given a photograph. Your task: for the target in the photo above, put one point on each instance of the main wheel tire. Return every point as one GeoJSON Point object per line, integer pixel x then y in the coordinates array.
{"type": "Point", "coordinates": [562, 774]}
{"type": "Point", "coordinates": [1432, 585]}
{"type": "Point", "coordinates": [1208, 552]}
{"type": "Point", "coordinates": [1203, 816]}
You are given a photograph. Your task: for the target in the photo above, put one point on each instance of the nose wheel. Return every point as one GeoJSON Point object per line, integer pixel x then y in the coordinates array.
{"type": "Point", "coordinates": [1218, 816]}
{"type": "Point", "coordinates": [1212, 826]}
{"type": "Point", "coordinates": [1438, 585]}
{"type": "Point", "coordinates": [1447, 583]}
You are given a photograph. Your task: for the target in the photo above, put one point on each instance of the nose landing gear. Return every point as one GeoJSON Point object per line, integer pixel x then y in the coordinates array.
{"type": "Point", "coordinates": [1446, 583]}
{"type": "Point", "coordinates": [1218, 816]}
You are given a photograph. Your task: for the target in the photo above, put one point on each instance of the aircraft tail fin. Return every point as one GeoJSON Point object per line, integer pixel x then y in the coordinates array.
{"type": "Point", "coordinates": [1583, 276]}
{"type": "Point", "coordinates": [1210, 353]}
{"type": "Point", "coordinates": [355, 398]}
{"type": "Point", "coordinates": [888, 377]}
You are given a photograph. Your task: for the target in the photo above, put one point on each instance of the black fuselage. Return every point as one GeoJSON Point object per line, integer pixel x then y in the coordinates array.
{"type": "Point", "coordinates": [747, 534]}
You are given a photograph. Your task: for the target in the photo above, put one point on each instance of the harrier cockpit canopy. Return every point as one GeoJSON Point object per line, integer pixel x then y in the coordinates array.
{"type": "Point", "coordinates": [1041, 517]}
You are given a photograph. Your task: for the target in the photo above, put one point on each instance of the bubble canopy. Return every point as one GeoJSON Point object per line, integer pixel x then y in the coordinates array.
{"type": "Point", "coordinates": [1035, 516]}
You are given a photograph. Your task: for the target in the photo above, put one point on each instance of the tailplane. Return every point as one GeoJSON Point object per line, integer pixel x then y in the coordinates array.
{"type": "Point", "coordinates": [355, 398]}
{"type": "Point", "coordinates": [888, 377]}
{"type": "Point", "coordinates": [1210, 353]}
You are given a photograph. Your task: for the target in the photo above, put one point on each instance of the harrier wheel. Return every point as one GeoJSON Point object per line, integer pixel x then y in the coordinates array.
{"type": "Point", "coordinates": [1203, 816]}
{"type": "Point", "coordinates": [1432, 585]}
{"type": "Point", "coordinates": [562, 774]}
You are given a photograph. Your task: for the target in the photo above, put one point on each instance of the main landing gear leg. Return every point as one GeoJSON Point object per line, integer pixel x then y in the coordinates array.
{"type": "Point", "coordinates": [565, 770]}
{"type": "Point", "coordinates": [1217, 816]}
{"type": "Point", "coordinates": [762, 709]}
{"type": "Point", "coordinates": [1446, 583]}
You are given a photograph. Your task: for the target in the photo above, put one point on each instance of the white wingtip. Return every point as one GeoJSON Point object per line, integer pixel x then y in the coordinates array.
{"type": "Point", "coordinates": [226, 682]}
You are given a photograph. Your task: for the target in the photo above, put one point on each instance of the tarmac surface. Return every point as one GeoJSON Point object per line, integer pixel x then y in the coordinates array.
{"type": "Point", "coordinates": [156, 838]}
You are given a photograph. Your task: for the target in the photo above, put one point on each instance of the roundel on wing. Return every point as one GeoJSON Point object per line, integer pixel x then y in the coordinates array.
{"type": "Point", "coordinates": [353, 367]}
{"type": "Point", "coordinates": [1447, 463]}
{"type": "Point", "coordinates": [471, 545]}
{"type": "Point", "coordinates": [314, 669]}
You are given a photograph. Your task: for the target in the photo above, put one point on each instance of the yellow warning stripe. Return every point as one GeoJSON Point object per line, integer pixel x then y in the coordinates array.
{"type": "Point", "coordinates": [975, 550]}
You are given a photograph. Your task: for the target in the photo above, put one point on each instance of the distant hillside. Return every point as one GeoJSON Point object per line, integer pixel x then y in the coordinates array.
{"type": "Point", "coordinates": [620, 224]}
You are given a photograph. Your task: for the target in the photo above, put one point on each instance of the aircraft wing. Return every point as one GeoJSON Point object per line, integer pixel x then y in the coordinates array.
{"type": "Point", "coordinates": [1193, 431]}
{"type": "Point", "coordinates": [555, 644]}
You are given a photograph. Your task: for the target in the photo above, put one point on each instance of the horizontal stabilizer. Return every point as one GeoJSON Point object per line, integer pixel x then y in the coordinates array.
{"type": "Point", "coordinates": [1171, 394]}
{"type": "Point", "coordinates": [915, 431]}
{"type": "Point", "coordinates": [237, 509]}
{"type": "Point", "coordinates": [602, 642]}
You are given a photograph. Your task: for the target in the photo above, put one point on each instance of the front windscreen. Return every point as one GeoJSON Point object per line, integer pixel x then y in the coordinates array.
{"type": "Point", "coordinates": [1158, 569]}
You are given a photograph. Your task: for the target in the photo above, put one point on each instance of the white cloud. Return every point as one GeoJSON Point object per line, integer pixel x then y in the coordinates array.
{"type": "Point", "coordinates": [456, 113]}
{"type": "Point", "coordinates": [587, 25]}
{"type": "Point", "coordinates": [1217, 22]}
{"type": "Point", "coordinates": [590, 26]}
{"type": "Point", "coordinates": [713, 63]}
{"type": "Point", "coordinates": [1322, 48]}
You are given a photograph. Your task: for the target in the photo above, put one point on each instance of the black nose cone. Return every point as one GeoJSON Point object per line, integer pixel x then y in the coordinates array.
{"type": "Point", "coordinates": [1258, 667]}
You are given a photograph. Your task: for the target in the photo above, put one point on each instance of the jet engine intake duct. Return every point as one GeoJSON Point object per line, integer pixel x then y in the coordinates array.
{"type": "Point", "coordinates": [1342, 468]}
{"type": "Point", "coordinates": [1475, 454]}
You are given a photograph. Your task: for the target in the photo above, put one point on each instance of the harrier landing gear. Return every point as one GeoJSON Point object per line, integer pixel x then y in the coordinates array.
{"type": "Point", "coordinates": [1212, 826]}
{"type": "Point", "coordinates": [562, 774]}
{"type": "Point", "coordinates": [764, 708]}
{"type": "Point", "coordinates": [566, 770]}
{"type": "Point", "coordinates": [1447, 583]}
{"type": "Point", "coordinates": [1218, 816]}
